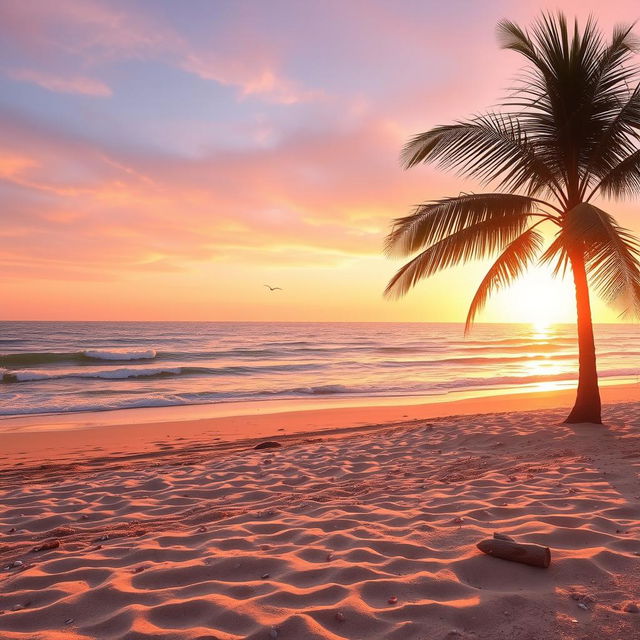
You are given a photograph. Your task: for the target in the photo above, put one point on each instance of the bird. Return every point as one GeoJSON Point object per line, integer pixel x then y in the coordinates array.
{"type": "Point", "coordinates": [273, 288]}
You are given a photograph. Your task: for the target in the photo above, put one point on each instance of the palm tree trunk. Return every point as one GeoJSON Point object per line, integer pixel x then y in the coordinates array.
{"type": "Point", "coordinates": [587, 407]}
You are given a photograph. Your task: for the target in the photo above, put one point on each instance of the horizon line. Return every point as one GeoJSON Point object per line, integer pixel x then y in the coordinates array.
{"type": "Point", "coordinates": [453, 322]}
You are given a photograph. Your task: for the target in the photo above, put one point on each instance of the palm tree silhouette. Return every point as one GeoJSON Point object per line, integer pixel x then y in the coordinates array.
{"type": "Point", "coordinates": [569, 132]}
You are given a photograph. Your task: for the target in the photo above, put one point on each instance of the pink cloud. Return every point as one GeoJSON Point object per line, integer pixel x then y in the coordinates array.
{"type": "Point", "coordinates": [311, 199]}
{"type": "Point", "coordinates": [98, 33]}
{"type": "Point", "coordinates": [96, 30]}
{"type": "Point", "coordinates": [62, 84]}
{"type": "Point", "coordinates": [252, 77]}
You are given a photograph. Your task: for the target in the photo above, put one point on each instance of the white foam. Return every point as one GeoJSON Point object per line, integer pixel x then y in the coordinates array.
{"type": "Point", "coordinates": [104, 374]}
{"type": "Point", "coordinates": [120, 354]}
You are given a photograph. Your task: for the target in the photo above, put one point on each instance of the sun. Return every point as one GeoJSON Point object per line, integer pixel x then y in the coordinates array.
{"type": "Point", "coordinates": [538, 299]}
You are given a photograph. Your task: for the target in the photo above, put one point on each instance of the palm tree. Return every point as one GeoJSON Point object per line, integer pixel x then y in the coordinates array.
{"type": "Point", "coordinates": [569, 132]}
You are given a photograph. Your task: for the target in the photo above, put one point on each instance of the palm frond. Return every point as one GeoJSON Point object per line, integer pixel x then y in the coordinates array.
{"type": "Point", "coordinates": [618, 139]}
{"type": "Point", "coordinates": [621, 180]}
{"type": "Point", "coordinates": [512, 36]}
{"type": "Point", "coordinates": [432, 221]}
{"type": "Point", "coordinates": [509, 266]}
{"type": "Point", "coordinates": [573, 97]}
{"type": "Point", "coordinates": [491, 148]}
{"type": "Point", "coordinates": [474, 242]}
{"type": "Point", "coordinates": [611, 254]}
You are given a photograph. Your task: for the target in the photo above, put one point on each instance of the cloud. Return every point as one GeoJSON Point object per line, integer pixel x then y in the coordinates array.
{"type": "Point", "coordinates": [62, 84]}
{"type": "Point", "coordinates": [92, 34]}
{"type": "Point", "coordinates": [313, 199]}
{"type": "Point", "coordinates": [252, 77]}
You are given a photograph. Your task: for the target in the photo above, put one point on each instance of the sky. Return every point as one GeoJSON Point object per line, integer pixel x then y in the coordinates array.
{"type": "Point", "coordinates": [163, 160]}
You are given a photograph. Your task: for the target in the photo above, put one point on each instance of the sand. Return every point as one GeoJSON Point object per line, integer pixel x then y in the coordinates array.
{"type": "Point", "coordinates": [362, 533]}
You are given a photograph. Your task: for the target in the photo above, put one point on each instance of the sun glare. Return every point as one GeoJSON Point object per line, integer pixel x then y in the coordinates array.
{"type": "Point", "coordinates": [540, 300]}
{"type": "Point", "coordinates": [540, 330]}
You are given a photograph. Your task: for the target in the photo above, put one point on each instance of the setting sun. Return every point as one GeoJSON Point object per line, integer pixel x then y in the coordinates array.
{"type": "Point", "coordinates": [538, 298]}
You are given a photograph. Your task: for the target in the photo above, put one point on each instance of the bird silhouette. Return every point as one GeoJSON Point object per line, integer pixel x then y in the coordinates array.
{"type": "Point", "coordinates": [273, 288]}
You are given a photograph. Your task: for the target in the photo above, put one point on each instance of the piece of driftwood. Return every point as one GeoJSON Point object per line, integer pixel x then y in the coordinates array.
{"type": "Point", "coordinates": [532, 554]}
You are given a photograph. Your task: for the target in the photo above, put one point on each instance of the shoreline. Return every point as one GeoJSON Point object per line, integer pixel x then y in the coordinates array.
{"type": "Point", "coordinates": [103, 441]}
{"type": "Point", "coordinates": [90, 419]}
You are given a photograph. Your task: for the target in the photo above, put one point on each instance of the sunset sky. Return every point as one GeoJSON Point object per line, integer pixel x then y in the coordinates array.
{"type": "Point", "coordinates": [162, 160]}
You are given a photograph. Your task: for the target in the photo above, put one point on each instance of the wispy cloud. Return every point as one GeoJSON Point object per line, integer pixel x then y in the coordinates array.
{"type": "Point", "coordinates": [252, 78]}
{"type": "Point", "coordinates": [309, 195]}
{"type": "Point", "coordinates": [62, 84]}
{"type": "Point", "coordinates": [96, 33]}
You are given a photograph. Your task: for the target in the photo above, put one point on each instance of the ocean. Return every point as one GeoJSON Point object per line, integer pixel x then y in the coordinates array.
{"type": "Point", "coordinates": [57, 367]}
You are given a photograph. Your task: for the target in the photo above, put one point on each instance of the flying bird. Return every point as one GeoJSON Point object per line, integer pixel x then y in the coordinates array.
{"type": "Point", "coordinates": [273, 288]}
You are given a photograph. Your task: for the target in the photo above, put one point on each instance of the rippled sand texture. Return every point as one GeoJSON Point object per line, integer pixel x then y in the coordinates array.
{"type": "Point", "coordinates": [317, 539]}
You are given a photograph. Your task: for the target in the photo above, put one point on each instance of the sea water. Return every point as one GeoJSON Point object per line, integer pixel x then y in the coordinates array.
{"type": "Point", "coordinates": [53, 367]}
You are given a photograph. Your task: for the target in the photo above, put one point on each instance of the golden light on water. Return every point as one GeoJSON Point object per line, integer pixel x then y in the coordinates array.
{"type": "Point", "coordinates": [543, 364]}
{"type": "Point", "coordinates": [541, 330]}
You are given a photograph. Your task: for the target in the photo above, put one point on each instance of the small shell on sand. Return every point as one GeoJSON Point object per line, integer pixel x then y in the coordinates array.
{"type": "Point", "coordinates": [393, 600]}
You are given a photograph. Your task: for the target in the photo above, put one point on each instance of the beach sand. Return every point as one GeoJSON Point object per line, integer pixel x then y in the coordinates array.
{"type": "Point", "coordinates": [355, 528]}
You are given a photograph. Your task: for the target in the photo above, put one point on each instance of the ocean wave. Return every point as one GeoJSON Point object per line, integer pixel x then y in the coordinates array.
{"type": "Point", "coordinates": [480, 360]}
{"type": "Point", "coordinates": [58, 404]}
{"type": "Point", "coordinates": [28, 358]}
{"type": "Point", "coordinates": [61, 367]}
{"type": "Point", "coordinates": [106, 374]}
{"type": "Point", "coordinates": [35, 375]}
{"type": "Point", "coordinates": [119, 354]}
{"type": "Point", "coordinates": [461, 384]}
{"type": "Point", "coordinates": [321, 390]}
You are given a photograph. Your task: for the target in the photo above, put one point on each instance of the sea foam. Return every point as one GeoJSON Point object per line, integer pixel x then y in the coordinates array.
{"type": "Point", "coordinates": [120, 354]}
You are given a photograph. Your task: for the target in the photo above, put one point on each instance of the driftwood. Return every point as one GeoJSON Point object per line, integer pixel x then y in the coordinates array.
{"type": "Point", "coordinates": [533, 554]}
